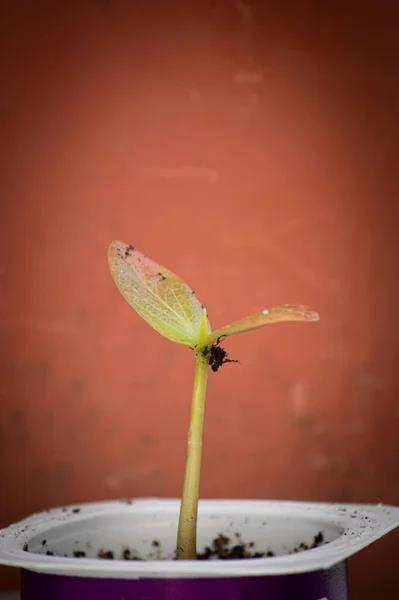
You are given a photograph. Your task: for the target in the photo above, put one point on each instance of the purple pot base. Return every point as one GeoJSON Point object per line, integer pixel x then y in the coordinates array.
{"type": "Point", "coordinates": [319, 585]}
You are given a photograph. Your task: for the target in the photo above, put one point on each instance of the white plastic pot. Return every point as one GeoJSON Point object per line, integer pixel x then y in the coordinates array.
{"type": "Point", "coordinates": [46, 546]}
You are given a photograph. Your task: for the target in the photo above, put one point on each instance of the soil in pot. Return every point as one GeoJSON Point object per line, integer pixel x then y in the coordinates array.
{"type": "Point", "coordinates": [222, 548]}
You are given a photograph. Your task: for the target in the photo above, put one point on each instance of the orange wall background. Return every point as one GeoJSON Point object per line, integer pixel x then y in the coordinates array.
{"type": "Point", "coordinates": [254, 152]}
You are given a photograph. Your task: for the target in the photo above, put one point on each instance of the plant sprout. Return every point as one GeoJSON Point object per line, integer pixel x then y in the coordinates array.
{"type": "Point", "coordinates": [168, 304]}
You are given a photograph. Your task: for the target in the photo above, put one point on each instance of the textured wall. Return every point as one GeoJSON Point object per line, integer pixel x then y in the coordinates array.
{"type": "Point", "coordinates": [257, 159]}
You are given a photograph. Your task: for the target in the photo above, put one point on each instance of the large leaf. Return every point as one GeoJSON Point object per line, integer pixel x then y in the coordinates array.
{"type": "Point", "coordinates": [159, 296]}
{"type": "Point", "coordinates": [287, 312]}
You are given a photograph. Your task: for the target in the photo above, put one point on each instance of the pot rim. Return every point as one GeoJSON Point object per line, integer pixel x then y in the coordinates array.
{"type": "Point", "coordinates": [361, 525]}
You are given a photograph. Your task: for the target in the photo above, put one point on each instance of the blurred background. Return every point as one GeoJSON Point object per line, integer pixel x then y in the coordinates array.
{"type": "Point", "coordinates": [251, 148]}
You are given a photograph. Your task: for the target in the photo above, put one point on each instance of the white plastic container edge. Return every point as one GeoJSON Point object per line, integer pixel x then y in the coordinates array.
{"type": "Point", "coordinates": [358, 525]}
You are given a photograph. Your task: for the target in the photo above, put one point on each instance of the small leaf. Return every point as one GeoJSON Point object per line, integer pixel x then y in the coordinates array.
{"type": "Point", "coordinates": [266, 317]}
{"type": "Point", "coordinates": [159, 296]}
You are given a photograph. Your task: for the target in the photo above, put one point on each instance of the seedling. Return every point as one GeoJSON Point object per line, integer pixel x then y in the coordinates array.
{"type": "Point", "coordinates": [168, 304]}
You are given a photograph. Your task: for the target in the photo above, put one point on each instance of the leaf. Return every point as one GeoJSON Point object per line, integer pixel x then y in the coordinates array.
{"type": "Point", "coordinates": [266, 317]}
{"type": "Point", "coordinates": [159, 296]}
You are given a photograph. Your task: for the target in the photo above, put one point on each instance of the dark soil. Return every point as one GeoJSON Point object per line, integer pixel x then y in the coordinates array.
{"type": "Point", "coordinates": [109, 555]}
{"type": "Point", "coordinates": [221, 548]}
{"type": "Point", "coordinates": [218, 357]}
{"type": "Point", "coordinates": [318, 540]}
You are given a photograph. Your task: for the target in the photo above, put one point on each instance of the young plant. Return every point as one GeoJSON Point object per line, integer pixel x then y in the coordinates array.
{"type": "Point", "coordinates": [168, 304]}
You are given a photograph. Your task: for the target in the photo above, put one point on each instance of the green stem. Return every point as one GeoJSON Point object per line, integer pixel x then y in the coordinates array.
{"type": "Point", "coordinates": [187, 530]}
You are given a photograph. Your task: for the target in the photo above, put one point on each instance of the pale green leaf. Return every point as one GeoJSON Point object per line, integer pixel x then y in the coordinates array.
{"type": "Point", "coordinates": [159, 296]}
{"type": "Point", "coordinates": [266, 317]}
